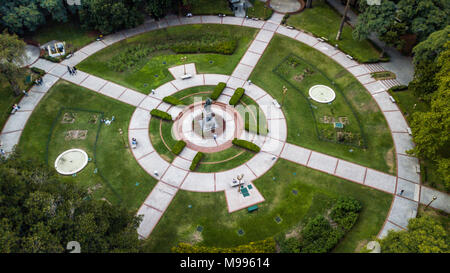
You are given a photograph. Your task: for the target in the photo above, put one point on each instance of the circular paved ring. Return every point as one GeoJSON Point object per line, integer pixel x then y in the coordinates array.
{"type": "Point", "coordinates": [185, 129]}
{"type": "Point", "coordinates": [177, 173]}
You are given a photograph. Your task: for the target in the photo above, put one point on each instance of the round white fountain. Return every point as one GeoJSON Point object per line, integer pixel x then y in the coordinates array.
{"type": "Point", "coordinates": [71, 161]}
{"type": "Point", "coordinates": [322, 93]}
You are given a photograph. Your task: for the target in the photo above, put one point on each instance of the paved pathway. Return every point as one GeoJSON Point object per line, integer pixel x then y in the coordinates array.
{"type": "Point", "coordinates": [407, 178]}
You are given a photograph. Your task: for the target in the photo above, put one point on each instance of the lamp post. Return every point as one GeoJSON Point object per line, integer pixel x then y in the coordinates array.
{"type": "Point", "coordinates": [123, 140]}
{"type": "Point", "coordinates": [284, 94]}
{"type": "Point", "coordinates": [434, 198]}
{"type": "Point", "coordinates": [183, 60]}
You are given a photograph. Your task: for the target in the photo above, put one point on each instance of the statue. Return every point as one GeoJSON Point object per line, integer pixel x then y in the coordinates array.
{"type": "Point", "coordinates": [209, 122]}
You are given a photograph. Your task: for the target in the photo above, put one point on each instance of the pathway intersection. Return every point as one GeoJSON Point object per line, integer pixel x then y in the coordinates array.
{"type": "Point", "coordinates": [176, 175]}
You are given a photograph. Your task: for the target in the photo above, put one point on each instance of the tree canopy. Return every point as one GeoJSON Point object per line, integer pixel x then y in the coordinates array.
{"type": "Point", "coordinates": [374, 18]}
{"type": "Point", "coordinates": [424, 235]}
{"type": "Point", "coordinates": [27, 15]}
{"type": "Point", "coordinates": [431, 129]}
{"type": "Point", "coordinates": [12, 50]}
{"type": "Point", "coordinates": [41, 214]}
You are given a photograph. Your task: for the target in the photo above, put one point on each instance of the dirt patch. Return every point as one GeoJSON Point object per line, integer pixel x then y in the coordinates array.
{"type": "Point", "coordinates": [69, 117]}
{"type": "Point", "coordinates": [196, 237]}
{"type": "Point", "coordinates": [93, 119]}
{"type": "Point", "coordinates": [295, 233]}
{"type": "Point", "coordinates": [390, 160]}
{"type": "Point", "coordinates": [90, 190]}
{"type": "Point", "coordinates": [76, 134]}
{"type": "Point", "coordinates": [361, 245]}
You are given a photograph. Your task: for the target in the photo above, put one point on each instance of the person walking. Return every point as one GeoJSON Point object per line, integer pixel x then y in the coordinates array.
{"type": "Point", "coordinates": [15, 109]}
{"type": "Point", "coordinates": [74, 70]}
{"type": "Point", "coordinates": [70, 70]}
{"type": "Point", "coordinates": [25, 93]}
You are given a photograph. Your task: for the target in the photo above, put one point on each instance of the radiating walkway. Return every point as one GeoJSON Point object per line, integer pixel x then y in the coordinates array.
{"type": "Point", "coordinates": [407, 178]}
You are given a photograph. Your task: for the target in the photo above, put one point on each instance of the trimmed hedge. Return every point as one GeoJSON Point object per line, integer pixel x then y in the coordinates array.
{"type": "Point", "coordinates": [238, 93]}
{"type": "Point", "coordinates": [246, 144]}
{"type": "Point", "coordinates": [218, 90]}
{"type": "Point", "coordinates": [160, 114]}
{"type": "Point", "coordinates": [197, 158]}
{"type": "Point", "coordinates": [263, 246]}
{"type": "Point", "coordinates": [38, 71]}
{"type": "Point", "coordinates": [398, 88]}
{"type": "Point", "coordinates": [178, 147]}
{"type": "Point", "coordinates": [172, 100]}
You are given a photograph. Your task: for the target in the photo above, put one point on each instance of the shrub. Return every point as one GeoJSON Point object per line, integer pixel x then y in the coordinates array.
{"type": "Point", "coordinates": [318, 236]}
{"type": "Point", "coordinates": [246, 144]}
{"type": "Point", "coordinates": [263, 246]}
{"type": "Point", "coordinates": [197, 158]}
{"type": "Point", "coordinates": [238, 93]}
{"type": "Point", "coordinates": [160, 114]}
{"type": "Point", "coordinates": [178, 147]}
{"type": "Point", "coordinates": [345, 212]}
{"type": "Point", "coordinates": [38, 71]}
{"type": "Point", "coordinates": [218, 90]}
{"type": "Point", "coordinates": [172, 100]}
{"type": "Point", "coordinates": [398, 88]}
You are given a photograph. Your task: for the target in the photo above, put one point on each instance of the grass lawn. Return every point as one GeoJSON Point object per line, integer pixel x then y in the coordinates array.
{"type": "Point", "coordinates": [323, 21]}
{"type": "Point", "coordinates": [160, 127]}
{"type": "Point", "coordinates": [70, 32]}
{"type": "Point", "coordinates": [204, 7]}
{"type": "Point", "coordinates": [379, 153]}
{"type": "Point", "coordinates": [408, 104]}
{"type": "Point", "coordinates": [259, 10]}
{"type": "Point", "coordinates": [152, 72]}
{"type": "Point", "coordinates": [117, 170]}
{"type": "Point", "coordinates": [315, 190]}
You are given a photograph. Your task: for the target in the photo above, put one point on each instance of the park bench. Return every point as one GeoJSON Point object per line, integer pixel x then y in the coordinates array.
{"type": "Point", "coordinates": [392, 99]}
{"type": "Point", "coordinates": [186, 76]}
{"type": "Point", "coordinates": [252, 208]}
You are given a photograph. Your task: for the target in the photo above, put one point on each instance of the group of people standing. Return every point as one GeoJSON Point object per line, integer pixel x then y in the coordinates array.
{"type": "Point", "coordinates": [72, 71]}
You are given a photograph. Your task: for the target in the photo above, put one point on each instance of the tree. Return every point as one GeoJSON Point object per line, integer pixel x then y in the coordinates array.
{"type": "Point", "coordinates": [424, 17]}
{"type": "Point", "coordinates": [308, 4]}
{"type": "Point", "coordinates": [41, 214]}
{"type": "Point", "coordinates": [27, 15]}
{"type": "Point", "coordinates": [374, 18]}
{"type": "Point", "coordinates": [159, 9]}
{"type": "Point", "coordinates": [424, 235]}
{"type": "Point", "coordinates": [12, 50]}
{"type": "Point", "coordinates": [108, 16]}
{"type": "Point", "coordinates": [429, 50]}
{"type": "Point", "coordinates": [430, 129]}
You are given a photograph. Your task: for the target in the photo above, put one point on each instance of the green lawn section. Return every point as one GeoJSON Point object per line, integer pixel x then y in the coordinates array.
{"type": "Point", "coordinates": [408, 104]}
{"type": "Point", "coordinates": [158, 128]}
{"type": "Point", "coordinates": [323, 21]}
{"type": "Point", "coordinates": [70, 32]}
{"type": "Point", "coordinates": [152, 72]}
{"type": "Point", "coordinates": [252, 114]}
{"type": "Point", "coordinates": [113, 161]}
{"type": "Point", "coordinates": [235, 157]}
{"type": "Point", "coordinates": [315, 191]}
{"type": "Point", "coordinates": [259, 10]}
{"type": "Point", "coordinates": [204, 7]}
{"type": "Point", "coordinates": [301, 77]}
{"type": "Point", "coordinates": [194, 94]}
{"type": "Point", "coordinates": [300, 122]}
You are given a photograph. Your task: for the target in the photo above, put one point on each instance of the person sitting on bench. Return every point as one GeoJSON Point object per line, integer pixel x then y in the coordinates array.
{"type": "Point", "coordinates": [133, 143]}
